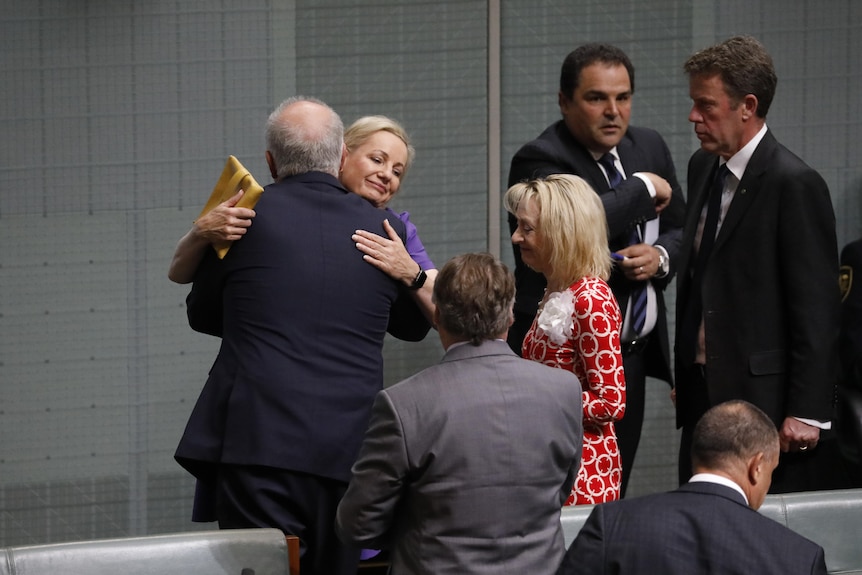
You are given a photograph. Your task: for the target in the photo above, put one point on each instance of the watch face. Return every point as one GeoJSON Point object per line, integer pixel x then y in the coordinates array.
{"type": "Point", "coordinates": [420, 280]}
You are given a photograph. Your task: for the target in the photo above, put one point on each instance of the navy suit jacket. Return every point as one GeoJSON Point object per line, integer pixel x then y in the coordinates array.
{"type": "Point", "coordinates": [699, 528]}
{"type": "Point", "coordinates": [555, 151]}
{"type": "Point", "coordinates": [771, 303]}
{"type": "Point", "coordinates": [302, 318]}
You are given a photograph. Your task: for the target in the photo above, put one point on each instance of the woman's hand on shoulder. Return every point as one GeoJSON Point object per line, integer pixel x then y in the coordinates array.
{"type": "Point", "coordinates": [387, 253]}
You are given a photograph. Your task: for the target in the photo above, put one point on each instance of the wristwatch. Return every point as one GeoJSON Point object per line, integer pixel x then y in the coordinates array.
{"type": "Point", "coordinates": [663, 265]}
{"type": "Point", "coordinates": [419, 280]}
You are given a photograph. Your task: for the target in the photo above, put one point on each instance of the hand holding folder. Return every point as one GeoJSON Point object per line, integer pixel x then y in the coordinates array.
{"type": "Point", "coordinates": [233, 178]}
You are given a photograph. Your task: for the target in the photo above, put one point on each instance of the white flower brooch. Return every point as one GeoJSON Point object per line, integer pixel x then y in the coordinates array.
{"type": "Point", "coordinates": [555, 320]}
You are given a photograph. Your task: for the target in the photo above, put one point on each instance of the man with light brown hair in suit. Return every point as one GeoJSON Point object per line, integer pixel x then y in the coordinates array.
{"type": "Point", "coordinates": [465, 465]}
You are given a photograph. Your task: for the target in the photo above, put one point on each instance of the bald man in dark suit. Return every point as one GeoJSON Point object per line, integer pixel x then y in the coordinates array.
{"type": "Point", "coordinates": [709, 525]}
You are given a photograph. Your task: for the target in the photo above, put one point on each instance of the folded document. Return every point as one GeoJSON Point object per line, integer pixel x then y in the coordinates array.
{"type": "Point", "coordinates": [233, 178]}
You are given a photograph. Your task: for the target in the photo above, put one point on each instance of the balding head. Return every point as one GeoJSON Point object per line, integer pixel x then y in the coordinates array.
{"type": "Point", "coordinates": [304, 135]}
{"type": "Point", "coordinates": [735, 439]}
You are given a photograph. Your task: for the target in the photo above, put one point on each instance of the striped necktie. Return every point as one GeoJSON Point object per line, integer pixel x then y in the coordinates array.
{"type": "Point", "coordinates": [638, 292]}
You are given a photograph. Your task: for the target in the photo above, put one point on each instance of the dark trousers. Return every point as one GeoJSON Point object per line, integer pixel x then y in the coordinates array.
{"type": "Point", "coordinates": [816, 469]}
{"type": "Point", "coordinates": [693, 398]}
{"type": "Point", "coordinates": [297, 503]}
{"type": "Point", "coordinates": [630, 426]}
{"type": "Point", "coordinates": [819, 468]}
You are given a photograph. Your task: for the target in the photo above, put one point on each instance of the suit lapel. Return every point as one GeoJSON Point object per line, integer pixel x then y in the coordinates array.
{"type": "Point", "coordinates": [632, 158]}
{"type": "Point", "coordinates": [701, 169]}
{"type": "Point", "coordinates": [581, 161]}
{"type": "Point", "coordinates": [747, 189]}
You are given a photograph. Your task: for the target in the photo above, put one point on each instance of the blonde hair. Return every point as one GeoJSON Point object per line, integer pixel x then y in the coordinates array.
{"type": "Point", "coordinates": [572, 225]}
{"type": "Point", "coordinates": [363, 128]}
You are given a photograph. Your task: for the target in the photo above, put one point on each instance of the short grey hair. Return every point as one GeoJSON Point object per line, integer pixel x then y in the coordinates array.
{"type": "Point", "coordinates": [300, 147]}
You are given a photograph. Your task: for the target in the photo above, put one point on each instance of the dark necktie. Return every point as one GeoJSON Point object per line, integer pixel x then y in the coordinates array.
{"type": "Point", "coordinates": [690, 328]}
{"type": "Point", "coordinates": [614, 175]}
{"type": "Point", "coordinates": [638, 292]}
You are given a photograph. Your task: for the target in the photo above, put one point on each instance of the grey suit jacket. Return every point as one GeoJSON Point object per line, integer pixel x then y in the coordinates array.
{"type": "Point", "coordinates": [465, 466]}
{"type": "Point", "coordinates": [699, 528]}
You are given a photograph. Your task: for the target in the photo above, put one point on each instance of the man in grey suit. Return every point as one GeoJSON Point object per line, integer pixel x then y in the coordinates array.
{"type": "Point", "coordinates": [466, 464]}
{"type": "Point", "coordinates": [709, 525]}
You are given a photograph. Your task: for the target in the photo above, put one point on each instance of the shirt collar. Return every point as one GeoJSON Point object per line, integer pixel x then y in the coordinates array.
{"type": "Point", "coordinates": [613, 152]}
{"type": "Point", "coordinates": [739, 161]}
{"type": "Point", "coordinates": [721, 480]}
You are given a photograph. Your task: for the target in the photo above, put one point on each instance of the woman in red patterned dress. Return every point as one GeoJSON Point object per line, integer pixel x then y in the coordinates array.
{"type": "Point", "coordinates": [562, 234]}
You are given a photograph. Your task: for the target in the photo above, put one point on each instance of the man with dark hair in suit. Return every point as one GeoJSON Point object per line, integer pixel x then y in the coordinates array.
{"type": "Point", "coordinates": [631, 170]}
{"type": "Point", "coordinates": [758, 305]}
{"type": "Point", "coordinates": [709, 525]}
{"type": "Point", "coordinates": [302, 319]}
{"type": "Point", "coordinates": [465, 465]}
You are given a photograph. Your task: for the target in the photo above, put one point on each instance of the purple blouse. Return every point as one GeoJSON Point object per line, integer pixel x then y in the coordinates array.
{"type": "Point", "coordinates": [414, 244]}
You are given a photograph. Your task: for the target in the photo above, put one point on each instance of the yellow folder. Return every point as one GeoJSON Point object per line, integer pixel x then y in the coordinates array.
{"type": "Point", "coordinates": [233, 178]}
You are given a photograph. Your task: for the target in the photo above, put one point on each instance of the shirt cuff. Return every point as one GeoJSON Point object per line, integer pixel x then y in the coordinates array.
{"type": "Point", "coordinates": [650, 188]}
{"type": "Point", "coordinates": [815, 423]}
{"type": "Point", "coordinates": [667, 259]}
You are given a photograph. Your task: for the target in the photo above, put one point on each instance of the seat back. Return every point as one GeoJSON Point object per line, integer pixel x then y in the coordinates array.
{"type": "Point", "coordinates": [832, 519]}
{"type": "Point", "coordinates": [228, 552]}
{"type": "Point", "coordinates": [573, 518]}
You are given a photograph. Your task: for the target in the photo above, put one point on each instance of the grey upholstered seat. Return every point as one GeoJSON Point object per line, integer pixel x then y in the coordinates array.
{"type": "Point", "coordinates": [229, 552]}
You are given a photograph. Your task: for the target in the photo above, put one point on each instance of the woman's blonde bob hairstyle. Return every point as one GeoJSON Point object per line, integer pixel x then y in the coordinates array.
{"type": "Point", "coordinates": [571, 225]}
{"type": "Point", "coordinates": [362, 129]}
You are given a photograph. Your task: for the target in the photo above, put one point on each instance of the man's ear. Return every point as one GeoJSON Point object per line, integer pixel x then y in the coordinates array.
{"type": "Point", "coordinates": [270, 161]}
{"type": "Point", "coordinates": [756, 468]}
{"type": "Point", "coordinates": [749, 107]}
{"type": "Point", "coordinates": [343, 157]}
{"type": "Point", "coordinates": [562, 101]}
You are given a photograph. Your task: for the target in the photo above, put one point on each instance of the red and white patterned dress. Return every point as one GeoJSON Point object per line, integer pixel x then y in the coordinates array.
{"type": "Point", "coordinates": [593, 353]}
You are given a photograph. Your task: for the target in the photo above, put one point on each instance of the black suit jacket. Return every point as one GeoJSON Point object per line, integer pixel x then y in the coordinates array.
{"type": "Point", "coordinates": [770, 299]}
{"type": "Point", "coordinates": [555, 151]}
{"type": "Point", "coordinates": [302, 318]}
{"type": "Point", "coordinates": [699, 528]}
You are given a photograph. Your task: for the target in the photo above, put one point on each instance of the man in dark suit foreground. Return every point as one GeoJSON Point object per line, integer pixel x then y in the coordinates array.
{"type": "Point", "coordinates": [466, 464]}
{"type": "Point", "coordinates": [302, 318]}
{"type": "Point", "coordinates": [710, 525]}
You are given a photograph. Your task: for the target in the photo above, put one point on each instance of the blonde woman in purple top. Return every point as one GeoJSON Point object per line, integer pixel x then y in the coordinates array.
{"type": "Point", "coordinates": [378, 154]}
